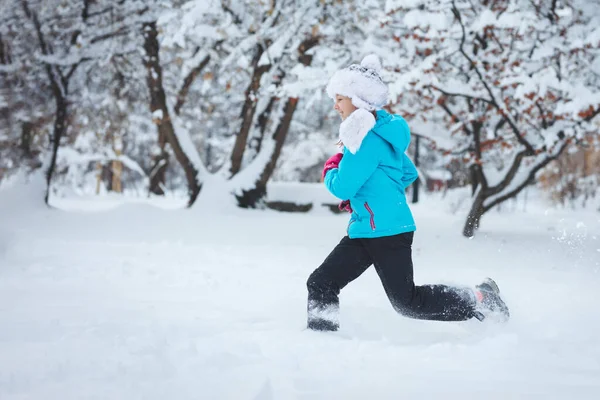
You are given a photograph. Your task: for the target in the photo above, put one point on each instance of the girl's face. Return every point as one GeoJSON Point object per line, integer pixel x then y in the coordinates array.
{"type": "Point", "coordinates": [343, 105]}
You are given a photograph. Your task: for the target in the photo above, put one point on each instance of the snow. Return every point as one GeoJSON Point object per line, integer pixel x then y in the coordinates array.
{"type": "Point", "coordinates": [300, 193]}
{"type": "Point", "coordinates": [137, 301]}
{"type": "Point", "coordinates": [275, 51]}
{"type": "Point", "coordinates": [187, 22]}
{"type": "Point", "coordinates": [391, 5]}
{"type": "Point", "coordinates": [192, 63]}
{"type": "Point", "coordinates": [417, 18]}
{"type": "Point", "coordinates": [69, 156]}
{"type": "Point", "coordinates": [188, 146]}
{"type": "Point", "coordinates": [439, 174]}
{"type": "Point", "coordinates": [8, 68]}
{"type": "Point", "coordinates": [246, 178]}
{"type": "Point", "coordinates": [157, 114]}
{"type": "Point", "coordinates": [308, 79]}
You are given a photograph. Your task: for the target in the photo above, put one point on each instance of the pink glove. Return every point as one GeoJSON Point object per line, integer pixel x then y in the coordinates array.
{"type": "Point", "coordinates": [345, 206]}
{"type": "Point", "coordinates": [333, 162]}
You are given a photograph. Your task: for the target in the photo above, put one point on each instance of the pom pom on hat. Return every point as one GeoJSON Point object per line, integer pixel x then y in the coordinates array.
{"type": "Point", "coordinates": [362, 83]}
{"type": "Point", "coordinates": [371, 62]}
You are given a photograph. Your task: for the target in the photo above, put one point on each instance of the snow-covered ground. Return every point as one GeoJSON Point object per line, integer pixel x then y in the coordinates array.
{"type": "Point", "coordinates": [146, 302]}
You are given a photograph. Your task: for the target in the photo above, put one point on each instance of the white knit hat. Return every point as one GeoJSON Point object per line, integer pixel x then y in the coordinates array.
{"type": "Point", "coordinates": [362, 83]}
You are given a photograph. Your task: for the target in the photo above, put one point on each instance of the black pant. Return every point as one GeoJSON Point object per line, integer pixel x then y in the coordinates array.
{"type": "Point", "coordinates": [392, 258]}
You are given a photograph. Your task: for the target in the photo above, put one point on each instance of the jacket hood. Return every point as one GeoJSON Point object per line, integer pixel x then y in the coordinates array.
{"type": "Point", "coordinates": [393, 129]}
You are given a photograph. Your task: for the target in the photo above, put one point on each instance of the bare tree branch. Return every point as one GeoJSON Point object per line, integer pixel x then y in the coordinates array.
{"type": "Point", "coordinates": [499, 126]}
{"type": "Point", "coordinates": [455, 118]}
{"type": "Point", "coordinates": [466, 96]}
{"type": "Point", "coordinates": [512, 172]}
{"type": "Point", "coordinates": [187, 83]}
{"type": "Point", "coordinates": [535, 41]}
{"type": "Point", "coordinates": [542, 114]}
{"type": "Point", "coordinates": [528, 181]}
{"type": "Point", "coordinates": [493, 101]}
{"type": "Point", "coordinates": [236, 19]}
{"type": "Point", "coordinates": [84, 17]}
{"type": "Point", "coordinates": [122, 31]}
{"type": "Point", "coordinates": [99, 12]}
{"type": "Point", "coordinates": [70, 73]}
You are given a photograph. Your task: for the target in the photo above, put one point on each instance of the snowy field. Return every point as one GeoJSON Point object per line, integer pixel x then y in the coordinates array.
{"type": "Point", "coordinates": [144, 301]}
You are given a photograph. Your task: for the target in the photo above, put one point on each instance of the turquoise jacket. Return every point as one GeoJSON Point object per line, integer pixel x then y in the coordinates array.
{"type": "Point", "coordinates": [374, 180]}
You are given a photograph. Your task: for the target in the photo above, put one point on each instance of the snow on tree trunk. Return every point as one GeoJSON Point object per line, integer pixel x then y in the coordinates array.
{"type": "Point", "coordinates": [161, 114]}
{"type": "Point", "coordinates": [251, 197]}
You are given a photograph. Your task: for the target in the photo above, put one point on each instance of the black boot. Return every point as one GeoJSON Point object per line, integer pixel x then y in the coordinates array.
{"type": "Point", "coordinates": [489, 302]}
{"type": "Point", "coordinates": [322, 318]}
{"type": "Point", "coordinates": [324, 325]}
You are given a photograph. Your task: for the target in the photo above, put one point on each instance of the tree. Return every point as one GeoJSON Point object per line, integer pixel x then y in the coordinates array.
{"type": "Point", "coordinates": [66, 35]}
{"type": "Point", "coordinates": [504, 85]}
{"type": "Point", "coordinates": [279, 36]}
{"type": "Point", "coordinates": [23, 97]}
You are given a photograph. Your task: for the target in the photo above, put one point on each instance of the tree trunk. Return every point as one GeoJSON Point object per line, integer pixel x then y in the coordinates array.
{"type": "Point", "coordinates": [60, 128]}
{"type": "Point", "coordinates": [26, 138]}
{"type": "Point", "coordinates": [474, 217]}
{"type": "Point", "coordinates": [248, 111]}
{"type": "Point", "coordinates": [99, 173]}
{"type": "Point", "coordinates": [107, 176]}
{"type": "Point", "coordinates": [159, 168]}
{"type": "Point", "coordinates": [158, 173]}
{"type": "Point", "coordinates": [160, 111]}
{"type": "Point", "coordinates": [117, 170]}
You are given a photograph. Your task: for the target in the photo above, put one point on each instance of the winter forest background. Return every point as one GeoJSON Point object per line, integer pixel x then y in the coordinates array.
{"type": "Point", "coordinates": [188, 98]}
{"type": "Point", "coordinates": [161, 206]}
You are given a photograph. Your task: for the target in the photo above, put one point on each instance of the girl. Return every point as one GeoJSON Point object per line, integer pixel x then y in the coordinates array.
{"type": "Point", "coordinates": [370, 176]}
